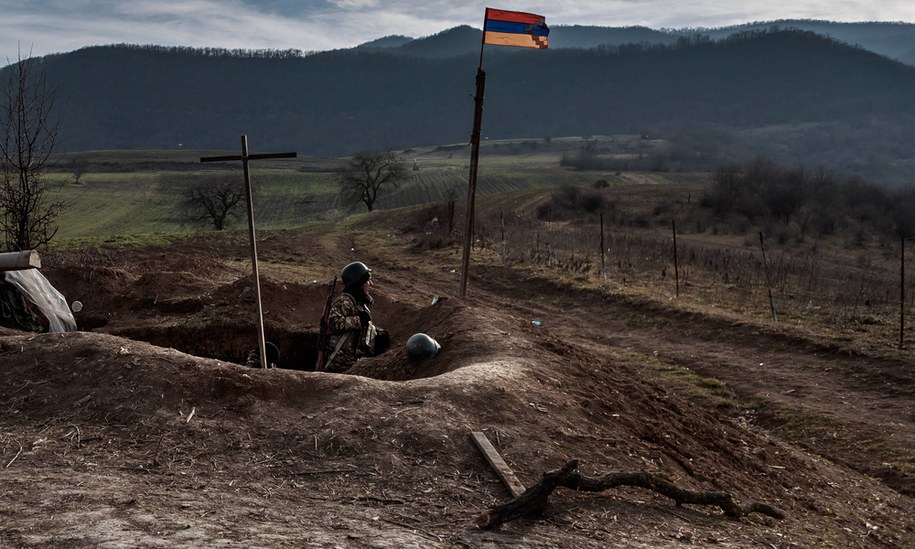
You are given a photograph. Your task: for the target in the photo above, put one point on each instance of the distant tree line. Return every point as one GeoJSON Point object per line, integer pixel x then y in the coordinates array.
{"type": "Point", "coordinates": [789, 203]}
{"type": "Point", "coordinates": [681, 154]}
{"type": "Point", "coordinates": [243, 53]}
{"type": "Point", "coordinates": [815, 201]}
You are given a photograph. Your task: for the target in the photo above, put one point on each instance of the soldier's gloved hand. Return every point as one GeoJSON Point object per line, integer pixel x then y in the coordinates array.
{"type": "Point", "coordinates": [365, 317]}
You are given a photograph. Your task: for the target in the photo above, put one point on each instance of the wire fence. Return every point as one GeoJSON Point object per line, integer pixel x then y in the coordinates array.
{"type": "Point", "coordinates": [841, 288]}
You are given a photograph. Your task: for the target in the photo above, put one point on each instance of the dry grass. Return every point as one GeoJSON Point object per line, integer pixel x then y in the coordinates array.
{"type": "Point", "coordinates": [837, 286]}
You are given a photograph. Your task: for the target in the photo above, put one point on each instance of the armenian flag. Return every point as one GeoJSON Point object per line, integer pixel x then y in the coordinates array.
{"type": "Point", "coordinates": [515, 28]}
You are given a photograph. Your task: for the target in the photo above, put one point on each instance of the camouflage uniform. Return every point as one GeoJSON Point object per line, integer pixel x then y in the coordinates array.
{"type": "Point", "coordinates": [343, 321]}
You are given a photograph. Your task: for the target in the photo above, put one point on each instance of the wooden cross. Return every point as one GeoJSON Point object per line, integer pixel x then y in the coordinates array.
{"type": "Point", "coordinates": [245, 157]}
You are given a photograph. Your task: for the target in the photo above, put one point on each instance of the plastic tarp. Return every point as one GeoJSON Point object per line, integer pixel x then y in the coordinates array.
{"type": "Point", "coordinates": [52, 304]}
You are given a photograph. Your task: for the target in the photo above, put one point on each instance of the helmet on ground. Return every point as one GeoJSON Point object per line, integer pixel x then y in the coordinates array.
{"type": "Point", "coordinates": [355, 273]}
{"type": "Point", "coordinates": [420, 347]}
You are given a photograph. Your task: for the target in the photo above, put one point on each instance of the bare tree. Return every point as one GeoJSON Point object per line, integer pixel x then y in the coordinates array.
{"type": "Point", "coordinates": [78, 168]}
{"type": "Point", "coordinates": [366, 173]}
{"type": "Point", "coordinates": [28, 131]}
{"type": "Point", "coordinates": [214, 200]}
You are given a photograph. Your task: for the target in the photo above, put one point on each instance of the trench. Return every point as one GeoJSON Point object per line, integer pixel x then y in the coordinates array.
{"type": "Point", "coordinates": [230, 343]}
{"type": "Point", "coordinates": [298, 349]}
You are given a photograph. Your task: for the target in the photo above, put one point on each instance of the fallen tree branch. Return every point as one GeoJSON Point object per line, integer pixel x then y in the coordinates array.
{"type": "Point", "coordinates": [533, 501]}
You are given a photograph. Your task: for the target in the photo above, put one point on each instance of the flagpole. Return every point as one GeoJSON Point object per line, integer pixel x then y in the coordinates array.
{"type": "Point", "coordinates": [474, 161]}
{"type": "Point", "coordinates": [483, 39]}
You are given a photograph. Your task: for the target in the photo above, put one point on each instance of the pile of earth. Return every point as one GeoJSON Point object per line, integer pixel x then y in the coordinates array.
{"type": "Point", "coordinates": [144, 429]}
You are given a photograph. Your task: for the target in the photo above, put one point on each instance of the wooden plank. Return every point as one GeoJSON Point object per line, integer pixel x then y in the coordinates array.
{"type": "Point", "coordinates": [17, 261]}
{"type": "Point", "coordinates": [496, 462]}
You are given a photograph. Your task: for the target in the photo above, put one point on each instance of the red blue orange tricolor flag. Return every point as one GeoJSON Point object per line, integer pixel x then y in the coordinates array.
{"type": "Point", "coordinates": [515, 28]}
{"type": "Point", "coordinates": [500, 28]}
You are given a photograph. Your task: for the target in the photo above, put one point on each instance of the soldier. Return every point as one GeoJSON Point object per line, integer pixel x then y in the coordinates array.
{"type": "Point", "coordinates": [352, 332]}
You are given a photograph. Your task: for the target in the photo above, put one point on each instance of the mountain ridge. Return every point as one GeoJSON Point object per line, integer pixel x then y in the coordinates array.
{"type": "Point", "coordinates": [836, 105]}
{"type": "Point", "coordinates": [891, 39]}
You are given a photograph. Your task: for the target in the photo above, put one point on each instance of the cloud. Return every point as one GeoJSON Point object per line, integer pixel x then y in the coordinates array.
{"type": "Point", "coordinates": [55, 27]}
{"type": "Point", "coordinates": [49, 26]}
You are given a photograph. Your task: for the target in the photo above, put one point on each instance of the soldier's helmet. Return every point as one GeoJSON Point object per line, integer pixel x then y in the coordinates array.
{"type": "Point", "coordinates": [273, 356]}
{"type": "Point", "coordinates": [355, 273]}
{"type": "Point", "coordinates": [420, 347]}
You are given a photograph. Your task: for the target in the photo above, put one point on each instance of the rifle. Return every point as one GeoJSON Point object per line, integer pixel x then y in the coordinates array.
{"type": "Point", "coordinates": [322, 332]}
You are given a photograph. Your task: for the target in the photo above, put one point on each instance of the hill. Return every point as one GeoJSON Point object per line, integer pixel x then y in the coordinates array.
{"type": "Point", "coordinates": [893, 40]}
{"type": "Point", "coordinates": [144, 429]}
{"type": "Point", "coordinates": [794, 96]}
{"type": "Point", "coordinates": [465, 40]}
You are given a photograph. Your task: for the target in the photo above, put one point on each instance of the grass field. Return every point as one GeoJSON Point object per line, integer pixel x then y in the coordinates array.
{"type": "Point", "coordinates": [129, 195]}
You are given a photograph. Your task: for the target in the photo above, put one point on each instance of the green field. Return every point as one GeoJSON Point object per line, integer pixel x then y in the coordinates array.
{"type": "Point", "coordinates": [128, 195]}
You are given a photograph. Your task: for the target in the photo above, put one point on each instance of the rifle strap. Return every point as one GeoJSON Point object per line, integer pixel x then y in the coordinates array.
{"type": "Point", "coordinates": [337, 348]}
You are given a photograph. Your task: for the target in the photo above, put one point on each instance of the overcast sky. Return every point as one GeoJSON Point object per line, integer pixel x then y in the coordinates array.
{"type": "Point", "coordinates": [52, 26]}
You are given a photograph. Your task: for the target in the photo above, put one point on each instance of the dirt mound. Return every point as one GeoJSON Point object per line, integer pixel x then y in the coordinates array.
{"type": "Point", "coordinates": [110, 440]}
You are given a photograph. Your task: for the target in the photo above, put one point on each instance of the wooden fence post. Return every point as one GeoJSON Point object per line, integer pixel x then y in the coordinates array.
{"type": "Point", "coordinates": [603, 268]}
{"type": "Point", "coordinates": [673, 225]}
{"type": "Point", "coordinates": [902, 292]}
{"type": "Point", "coordinates": [768, 280]}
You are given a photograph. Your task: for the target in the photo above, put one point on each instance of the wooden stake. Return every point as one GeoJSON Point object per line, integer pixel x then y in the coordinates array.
{"type": "Point", "coordinates": [496, 462]}
{"type": "Point", "coordinates": [245, 157]}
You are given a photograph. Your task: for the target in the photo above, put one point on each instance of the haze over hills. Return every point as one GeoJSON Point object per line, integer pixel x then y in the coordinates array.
{"type": "Point", "coordinates": [465, 40]}
{"type": "Point", "coordinates": [794, 96]}
{"type": "Point", "coordinates": [893, 40]}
